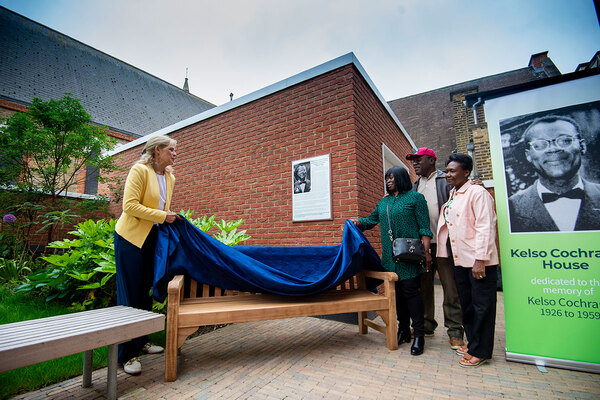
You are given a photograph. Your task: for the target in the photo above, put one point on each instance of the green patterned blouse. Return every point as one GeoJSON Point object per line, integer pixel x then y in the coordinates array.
{"type": "Point", "coordinates": [410, 218]}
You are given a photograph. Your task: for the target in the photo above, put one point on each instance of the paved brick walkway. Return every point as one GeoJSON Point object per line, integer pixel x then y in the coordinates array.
{"type": "Point", "coordinates": [310, 358]}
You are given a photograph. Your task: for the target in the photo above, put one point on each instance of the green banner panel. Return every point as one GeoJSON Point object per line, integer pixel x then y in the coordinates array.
{"type": "Point", "coordinates": [548, 140]}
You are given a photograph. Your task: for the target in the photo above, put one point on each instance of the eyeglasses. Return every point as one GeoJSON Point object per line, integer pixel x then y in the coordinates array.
{"type": "Point", "coordinates": [561, 142]}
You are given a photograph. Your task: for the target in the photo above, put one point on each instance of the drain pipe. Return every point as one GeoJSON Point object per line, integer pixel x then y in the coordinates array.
{"type": "Point", "coordinates": [474, 106]}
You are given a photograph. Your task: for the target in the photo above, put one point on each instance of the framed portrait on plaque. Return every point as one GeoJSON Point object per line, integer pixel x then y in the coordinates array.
{"type": "Point", "coordinates": [311, 189]}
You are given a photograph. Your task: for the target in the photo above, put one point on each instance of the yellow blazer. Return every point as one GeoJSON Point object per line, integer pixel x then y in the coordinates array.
{"type": "Point", "coordinates": [140, 203]}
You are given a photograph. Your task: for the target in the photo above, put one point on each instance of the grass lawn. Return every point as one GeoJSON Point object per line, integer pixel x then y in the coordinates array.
{"type": "Point", "coordinates": [16, 307]}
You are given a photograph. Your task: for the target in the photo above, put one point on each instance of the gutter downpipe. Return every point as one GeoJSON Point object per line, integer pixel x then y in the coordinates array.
{"type": "Point", "coordinates": [474, 106]}
{"type": "Point", "coordinates": [472, 150]}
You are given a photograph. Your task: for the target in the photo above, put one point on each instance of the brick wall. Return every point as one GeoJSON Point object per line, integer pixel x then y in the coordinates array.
{"type": "Point", "coordinates": [463, 119]}
{"type": "Point", "coordinates": [482, 155]}
{"type": "Point", "coordinates": [237, 164]}
{"type": "Point", "coordinates": [30, 231]}
{"type": "Point", "coordinates": [374, 128]}
{"type": "Point", "coordinates": [430, 117]}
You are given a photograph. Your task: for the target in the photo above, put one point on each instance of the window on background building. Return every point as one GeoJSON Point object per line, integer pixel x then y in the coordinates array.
{"type": "Point", "coordinates": [91, 180]}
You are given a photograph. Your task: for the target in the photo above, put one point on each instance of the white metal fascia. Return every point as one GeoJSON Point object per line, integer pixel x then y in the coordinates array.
{"type": "Point", "coordinates": [328, 66]}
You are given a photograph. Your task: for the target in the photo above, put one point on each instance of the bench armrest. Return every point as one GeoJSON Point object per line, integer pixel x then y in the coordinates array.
{"type": "Point", "coordinates": [175, 285]}
{"type": "Point", "coordinates": [175, 289]}
{"type": "Point", "coordinates": [384, 276]}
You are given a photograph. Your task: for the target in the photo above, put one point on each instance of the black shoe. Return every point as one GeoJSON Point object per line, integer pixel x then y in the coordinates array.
{"type": "Point", "coordinates": [404, 336]}
{"type": "Point", "coordinates": [418, 346]}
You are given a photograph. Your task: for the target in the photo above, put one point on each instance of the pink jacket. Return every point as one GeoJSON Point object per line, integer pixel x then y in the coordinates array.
{"type": "Point", "coordinates": [471, 226]}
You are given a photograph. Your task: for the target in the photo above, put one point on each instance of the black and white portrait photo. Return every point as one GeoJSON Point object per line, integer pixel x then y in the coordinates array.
{"type": "Point", "coordinates": [311, 189]}
{"type": "Point", "coordinates": [302, 177]}
{"type": "Point", "coordinates": [552, 168]}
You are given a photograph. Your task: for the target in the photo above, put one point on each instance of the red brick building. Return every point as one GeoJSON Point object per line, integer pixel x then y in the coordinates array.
{"type": "Point", "coordinates": [235, 160]}
{"type": "Point", "coordinates": [440, 119]}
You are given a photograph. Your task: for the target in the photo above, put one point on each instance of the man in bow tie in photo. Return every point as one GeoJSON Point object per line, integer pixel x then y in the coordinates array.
{"type": "Point", "coordinates": [559, 200]}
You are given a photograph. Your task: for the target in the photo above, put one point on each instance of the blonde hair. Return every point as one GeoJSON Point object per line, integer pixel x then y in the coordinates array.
{"type": "Point", "coordinates": [148, 152]}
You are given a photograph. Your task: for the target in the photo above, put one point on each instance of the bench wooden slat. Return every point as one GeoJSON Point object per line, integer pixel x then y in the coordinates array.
{"type": "Point", "coordinates": [39, 341]}
{"type": "Point", "coordinates": [76, 321]}
{"type": "Point", "coordinates": [52, 328]}
{"type": "Point", "coordinates": [193, 288]}
{"type": "Point", "coordinates": [186, 314]}
{"type": "Point", "coordinates": [44, 333]}
{"type": "Point", "coordinates": [258, 308]}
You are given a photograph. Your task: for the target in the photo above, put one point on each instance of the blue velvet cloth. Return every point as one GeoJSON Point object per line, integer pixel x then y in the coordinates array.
{"type": "Point", "coordinates": [181, 248]}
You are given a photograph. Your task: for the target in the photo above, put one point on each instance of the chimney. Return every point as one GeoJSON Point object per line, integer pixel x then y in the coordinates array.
{"type": "Point", "coordinates": [536, 59]}
{"type": "Point", "coordinates": [543, 65]}
{"type": "Point", "coordinates": [185, 83]}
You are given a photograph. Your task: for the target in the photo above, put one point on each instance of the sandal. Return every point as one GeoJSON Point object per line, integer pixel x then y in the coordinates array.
{"type": "Point", "coordinates": [469, 362]}
{"type": "Point", "coordinates": [461, 351]}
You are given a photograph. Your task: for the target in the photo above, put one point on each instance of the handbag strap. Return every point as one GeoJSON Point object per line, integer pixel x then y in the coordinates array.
{"type": "Point", "coordinates": [389, 222]}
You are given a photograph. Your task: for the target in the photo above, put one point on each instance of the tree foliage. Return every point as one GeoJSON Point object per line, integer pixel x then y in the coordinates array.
{"type": "Point", "coordinates": [46, 147]}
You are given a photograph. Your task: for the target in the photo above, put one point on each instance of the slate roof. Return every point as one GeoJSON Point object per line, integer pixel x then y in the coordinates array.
{"type": "Point", "coordinates": [36, 61]}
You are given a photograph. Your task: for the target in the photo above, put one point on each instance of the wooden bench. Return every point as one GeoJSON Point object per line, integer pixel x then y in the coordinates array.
{"type": "Point", "coordinates": [206, 305]}
{"type": "Point", "coordinates": [31, 342]}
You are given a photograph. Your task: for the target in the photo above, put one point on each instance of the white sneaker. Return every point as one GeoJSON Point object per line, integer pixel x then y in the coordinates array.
{"type": "Point", "coordinates": [133, 366]}
{"type": "Point", "coordinates": [150, 348]}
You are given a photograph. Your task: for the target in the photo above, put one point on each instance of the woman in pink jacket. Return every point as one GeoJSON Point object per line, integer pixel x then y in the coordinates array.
{"type": "Point", "coordinates": [467, 233]}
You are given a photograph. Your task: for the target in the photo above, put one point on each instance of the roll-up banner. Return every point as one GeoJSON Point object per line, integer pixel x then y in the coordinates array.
{"type": "Point", "coordinates": [545, 148]}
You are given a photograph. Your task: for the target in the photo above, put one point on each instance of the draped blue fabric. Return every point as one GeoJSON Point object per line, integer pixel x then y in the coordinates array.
{"type": "Point", "coordinates": [181, 248]}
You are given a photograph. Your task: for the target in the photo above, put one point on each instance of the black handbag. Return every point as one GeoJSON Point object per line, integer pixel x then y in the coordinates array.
{"type": "Point", "coordinates": [405, 249]}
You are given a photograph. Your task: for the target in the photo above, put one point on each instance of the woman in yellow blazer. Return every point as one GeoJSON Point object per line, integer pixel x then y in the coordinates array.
{"type": "Point", "coordinates": [146, 203]}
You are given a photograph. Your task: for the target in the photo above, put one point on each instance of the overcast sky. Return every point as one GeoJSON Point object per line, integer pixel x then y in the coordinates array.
{"type": "Point", "coordinates": [405, 46]}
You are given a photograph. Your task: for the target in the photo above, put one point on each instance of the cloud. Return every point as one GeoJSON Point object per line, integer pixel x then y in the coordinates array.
{"type": "Point", "coordinates": [406, 47]}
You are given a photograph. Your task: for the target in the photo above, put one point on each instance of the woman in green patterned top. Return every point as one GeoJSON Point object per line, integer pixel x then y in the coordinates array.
{"type": "Point", "coordinates": [410, 219]}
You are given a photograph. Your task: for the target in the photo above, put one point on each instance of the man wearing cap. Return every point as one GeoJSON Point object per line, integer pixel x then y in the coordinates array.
{"type": "Point", "coordinates": [432, 184]}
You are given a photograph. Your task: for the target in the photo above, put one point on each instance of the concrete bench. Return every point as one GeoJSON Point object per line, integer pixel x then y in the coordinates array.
{"type": "Point", "coordinates": [210, 306]}
{"type": "Point", "coordinates": [31, 342]}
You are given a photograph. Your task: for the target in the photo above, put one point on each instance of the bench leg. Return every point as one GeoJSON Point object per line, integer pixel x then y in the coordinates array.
{"type": "Point", "coordinates": [88, 358]}
{"type": "Point", "coordinates": [111, 381]}
{"type": "Point", "coordinates": [391, 334]}
{"type": "Point", "coordinates": [362, 328]}
{"type": "Point", "coordinates": [171, 352]}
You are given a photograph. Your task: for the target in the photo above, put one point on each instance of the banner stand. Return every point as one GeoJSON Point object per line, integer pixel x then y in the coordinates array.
{"type": "Point", "coordinates": [553, 362]}
{"type": "Point", "coordinates": [540, 138]}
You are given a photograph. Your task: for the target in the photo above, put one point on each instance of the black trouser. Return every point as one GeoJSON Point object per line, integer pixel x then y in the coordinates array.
{"type": "Point", "coordinates": [478, 303]}
{"type": "Point", "coordinates": [409, 305]}
{"type": "Point", "coordinates": [451, 304]}
{"type": "Point", "coordinates": [135, 274]}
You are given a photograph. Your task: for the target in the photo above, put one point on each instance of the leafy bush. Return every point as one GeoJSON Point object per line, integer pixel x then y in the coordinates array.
{"type": "Point", "coordinates": [81, 273]}
{"type": "Point", "coordinates": [228, 232]}
{"type": "Point", "coordinates": [12, 271]}
{"type": "Point", "coordinates": [7, 244]}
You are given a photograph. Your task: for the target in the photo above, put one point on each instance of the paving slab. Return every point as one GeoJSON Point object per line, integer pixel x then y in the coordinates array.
{"type": "Point", "coordinates": [314, 358]}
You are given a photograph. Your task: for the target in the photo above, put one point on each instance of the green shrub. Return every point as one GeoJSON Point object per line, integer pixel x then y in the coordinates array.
{"type": "Point", "coordinates": [13, 271]}
{"type": "Point", "coordinates": [228, 232]}
{"type": "Point", "coordinates": [82, 271]}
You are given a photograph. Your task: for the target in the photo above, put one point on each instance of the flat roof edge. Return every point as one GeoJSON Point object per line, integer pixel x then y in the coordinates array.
{"type": "Point", "coordinates": [321, 69]}
{"type": "Point", "coordinates": [522, 87]}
